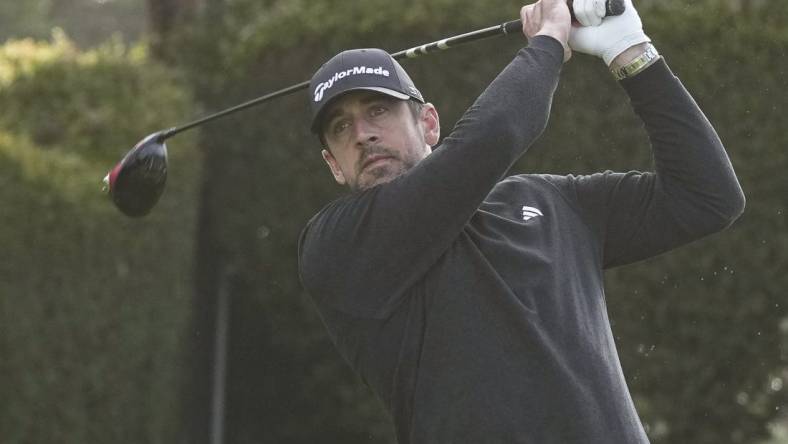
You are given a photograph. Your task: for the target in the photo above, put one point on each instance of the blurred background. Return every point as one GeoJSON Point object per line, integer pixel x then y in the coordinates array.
{"type": "Point", "coordinates": [190, 326]}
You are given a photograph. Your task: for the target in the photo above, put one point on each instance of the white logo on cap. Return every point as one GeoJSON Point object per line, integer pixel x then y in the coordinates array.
{"type": "Point", "coordinates": [356, 70]}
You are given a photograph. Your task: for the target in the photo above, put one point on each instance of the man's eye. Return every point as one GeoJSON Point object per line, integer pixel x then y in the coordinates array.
{"type": "Point", "coordinates": [340, 126]}
{"type": "Point", "coordinates": [377, 110]}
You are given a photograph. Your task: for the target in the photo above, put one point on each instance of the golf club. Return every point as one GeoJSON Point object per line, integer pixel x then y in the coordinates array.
{"type": "Point", "coordinates": [137, 182]}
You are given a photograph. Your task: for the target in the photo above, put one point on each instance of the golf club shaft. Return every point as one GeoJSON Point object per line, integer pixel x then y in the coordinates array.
{"type": "Point", "coordinates": [512, 27]}
{"type": "Point", "coordinates": [166, 134]}
{"type": "Point", "coordinates": [503, 29]}
{"type": "Point", "coordinates": [612, 7]}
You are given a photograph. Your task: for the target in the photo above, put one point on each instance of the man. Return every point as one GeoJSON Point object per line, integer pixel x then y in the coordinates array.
{"type": "Point", "coordinates": [473, 304]}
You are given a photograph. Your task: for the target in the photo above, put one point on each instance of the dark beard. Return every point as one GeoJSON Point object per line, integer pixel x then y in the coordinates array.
{"type": "Point", "coordinates": [380, 174]}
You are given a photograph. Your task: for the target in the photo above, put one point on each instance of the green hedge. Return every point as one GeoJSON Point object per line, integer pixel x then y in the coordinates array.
{"type": "Point", "coordinates": [94, 102]}
{"type": "Point", "coordinates": [93, 306]}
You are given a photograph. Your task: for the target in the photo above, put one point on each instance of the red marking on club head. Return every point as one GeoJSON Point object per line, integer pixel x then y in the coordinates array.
{"type": "Point", "coordinates": [113, 175]}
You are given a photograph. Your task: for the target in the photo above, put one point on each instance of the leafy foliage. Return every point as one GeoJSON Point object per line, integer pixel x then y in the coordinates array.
{"type": "Point", "coordinates": [91, 332]}
{"type": "Point", "coordinates": [88, 22]}
{"type": "Point", "coordinates": [94, 102]}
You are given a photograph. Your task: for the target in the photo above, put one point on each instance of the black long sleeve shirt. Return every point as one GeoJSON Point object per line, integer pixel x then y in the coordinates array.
{"type": "Point", "coordinates": [473, 304]}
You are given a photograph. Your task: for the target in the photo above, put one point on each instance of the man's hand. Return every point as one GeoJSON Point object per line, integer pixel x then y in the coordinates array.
{"type": "Point", "coordinates": [612, 37]}
{"type": "Point", "coordinates": [548, 17]}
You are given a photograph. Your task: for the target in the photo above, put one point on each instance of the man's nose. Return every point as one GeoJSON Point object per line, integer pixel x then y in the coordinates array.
{"type": "Point", "coordinates": [364, 132]}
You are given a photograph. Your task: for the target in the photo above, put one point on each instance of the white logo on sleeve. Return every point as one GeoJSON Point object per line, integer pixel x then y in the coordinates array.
{"type": "Point", "coordinates": [531, 212]}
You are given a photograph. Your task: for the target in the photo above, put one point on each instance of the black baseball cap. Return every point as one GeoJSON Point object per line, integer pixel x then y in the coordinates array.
{"type": "Point", "coordinates": [358, 69]}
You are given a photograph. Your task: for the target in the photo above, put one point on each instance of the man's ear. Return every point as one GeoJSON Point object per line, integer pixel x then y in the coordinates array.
{"type": "Point", "coordinates": [334, 167]}
{"type": "Point", "coordinates": [431, 124]}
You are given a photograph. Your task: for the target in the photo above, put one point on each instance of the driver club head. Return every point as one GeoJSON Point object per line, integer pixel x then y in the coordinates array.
{"type": "Point", "coordinates": [137, 181]}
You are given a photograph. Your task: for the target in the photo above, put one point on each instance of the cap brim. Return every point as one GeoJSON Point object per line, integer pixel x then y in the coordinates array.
{"type": "Point", "coordinates": [389, 92]}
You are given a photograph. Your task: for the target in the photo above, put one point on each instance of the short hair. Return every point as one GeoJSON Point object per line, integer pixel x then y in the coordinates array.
{"type": "Point", "coordinates": [414, 106]}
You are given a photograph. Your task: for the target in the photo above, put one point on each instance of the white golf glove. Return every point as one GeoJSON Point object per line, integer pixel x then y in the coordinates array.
{"type": "Point", "coordinates": [589, 12]}
{"type": "Point", "coordinates": [605, 38]}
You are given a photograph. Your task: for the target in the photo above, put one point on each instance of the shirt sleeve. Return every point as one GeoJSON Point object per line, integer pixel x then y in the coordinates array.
{"type": "Point", "coordinates": [363, 252]}
{"type": "Point", "coordinates": [692, 192]}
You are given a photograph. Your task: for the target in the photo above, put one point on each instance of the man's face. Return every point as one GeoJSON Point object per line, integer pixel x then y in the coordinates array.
{"type": "Point", "coordinates": [373, 138]}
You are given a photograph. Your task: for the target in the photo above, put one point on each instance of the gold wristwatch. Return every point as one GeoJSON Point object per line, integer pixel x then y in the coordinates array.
{"type": "Point", "coordinates": [640, 63]}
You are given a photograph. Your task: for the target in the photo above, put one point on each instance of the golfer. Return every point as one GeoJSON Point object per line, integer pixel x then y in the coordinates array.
{"type": "Point", "coordinates": [472, 303]}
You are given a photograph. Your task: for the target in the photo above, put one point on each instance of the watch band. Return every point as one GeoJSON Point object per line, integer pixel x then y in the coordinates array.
{"type": "Point", "coordinates": [640, 63]}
